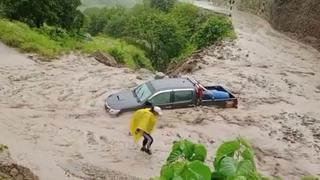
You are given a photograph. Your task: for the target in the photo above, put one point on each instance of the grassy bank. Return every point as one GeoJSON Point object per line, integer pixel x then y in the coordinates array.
{"type": "Point", "coordinates": [21, 36]}
{"type": "Point", "coordinates": [151, 35]}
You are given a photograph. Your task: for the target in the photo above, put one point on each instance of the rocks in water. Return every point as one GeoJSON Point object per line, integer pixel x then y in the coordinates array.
{"type": "Point", "coordinates": [139, 77]}
{"type": "Point", "coordinates": [144, 74]}
{"type": "Point", "coordinates": [105, 59]}
{"type": "Point", "coordinates": [159, 75]}
{"type": "Point", "coordinates": [220, 57]}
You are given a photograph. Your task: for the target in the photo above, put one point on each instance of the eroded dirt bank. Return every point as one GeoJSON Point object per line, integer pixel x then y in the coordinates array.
{"type": "Point", "coordinates": [299, 19]}
{"type": "Point", "coordinates": [53, 121]}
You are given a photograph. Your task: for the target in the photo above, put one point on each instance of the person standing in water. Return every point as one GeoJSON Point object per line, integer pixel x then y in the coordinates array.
{"type": "Point", "coordinates": [142, 125]}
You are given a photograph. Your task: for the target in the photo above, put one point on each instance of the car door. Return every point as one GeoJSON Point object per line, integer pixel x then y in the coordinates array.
{"type": "Point", "coordinates": [183, 98]}
{"type": "Point", "coordinates": [162, 99]}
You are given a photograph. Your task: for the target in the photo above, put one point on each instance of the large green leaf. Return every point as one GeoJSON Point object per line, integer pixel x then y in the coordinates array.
{"type": "Point", "coordinates": [166, 172]}
{"type": "Point", "coordinates": [247, 154]}
{"type": "Point", "coordinates": [217, 176]}
{"type": "Point", "coordinates": [226, 149]}
{"type": "Point", "coordinates": [187, 148]}
{"type": "Point", "coordinates": [178, 168]}
{"type": "Point", "coordinates": [239, 178]}
{"type": "Point", "coordinates": [200, 153]}
{"type": "Point", "coordinates": [176, 178]}
{"type": "Point", "coordinates": [187, 174]}
{"type": "Point", "coordinates": [199, 169]}
{"type": "Point", "coordinates": [245, 167]}
{"type": "Point", "coordinates": [254, 176]}
{"type": "Point", "coordinates": [181, 149]}
{"type": "Point", "coordinates": [174, 155]}
{"type": "Point", "coordinates": [175, 152]}
{"type": "Point", "coordinates": [245, 143]}
{"type": "Point", "coordinates": [227, 166]}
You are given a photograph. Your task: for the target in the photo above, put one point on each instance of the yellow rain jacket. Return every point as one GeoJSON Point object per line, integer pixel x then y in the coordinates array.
{"type": "Point", "coordinates": [144, 120]}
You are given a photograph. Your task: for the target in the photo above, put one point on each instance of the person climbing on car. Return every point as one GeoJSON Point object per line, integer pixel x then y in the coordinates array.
{"type": "Point", "coordinates": [142, 124]}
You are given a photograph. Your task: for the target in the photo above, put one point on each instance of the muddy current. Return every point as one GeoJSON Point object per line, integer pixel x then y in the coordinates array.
{"type": "Point", "coordinates": [53, 118]}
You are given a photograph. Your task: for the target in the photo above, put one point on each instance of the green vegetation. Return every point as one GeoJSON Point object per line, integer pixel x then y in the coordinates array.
{"type": "Point", "coordinates": [152, 34]}
{"type": "Point", "coordinates": [102, 3]}
{"type": "Point", "coordinates": [166, 30]}
{"type": "Point", "coordinates": [3, 147]}
{"type": "Point", "coordinates": [123, 52]}
{"type": "Point", "coordinates": [35, 13]}
{"type": "Point", "coordinates": [310, 178]}
{"type": "Point", "coordinates": [1, 9]}
{"type": "Point", "coordinates": [51, 42]}
{"type": "Point", "coordinates": [163, 5]}
{"type": "Point", "coordinates": [20, 35]}
{"type": "Point", "coordinates": [211, 31]}
{"type": "Point", "coordinates": [234, 160]}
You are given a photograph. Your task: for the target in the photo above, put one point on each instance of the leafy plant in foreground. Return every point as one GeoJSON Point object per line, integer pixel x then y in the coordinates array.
{"type": "Point", "coordinates": [186, 162]}
{"type": "Point", "coordinates": [234, 160]}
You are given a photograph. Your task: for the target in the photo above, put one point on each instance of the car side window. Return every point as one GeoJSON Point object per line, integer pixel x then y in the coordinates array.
{"type": "Point", "coordinates": [183, 96]}
{"type": "Point", "coordinates": [161, 99]}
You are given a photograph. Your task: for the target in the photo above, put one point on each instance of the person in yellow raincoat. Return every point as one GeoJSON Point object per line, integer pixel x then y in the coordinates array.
{"type": "Point", "coordinates": [142, 124]}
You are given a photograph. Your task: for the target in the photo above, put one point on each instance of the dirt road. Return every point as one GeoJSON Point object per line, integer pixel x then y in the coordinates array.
{"type": "Point", "coordinates": [53, 121]}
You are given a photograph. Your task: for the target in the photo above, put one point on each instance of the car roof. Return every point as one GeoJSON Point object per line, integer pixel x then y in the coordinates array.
{"type": "Point", "coordinates": [171, 83]}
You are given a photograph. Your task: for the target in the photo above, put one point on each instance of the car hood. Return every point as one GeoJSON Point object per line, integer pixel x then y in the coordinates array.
{"type": "Point", "coordinates": [122, 100]}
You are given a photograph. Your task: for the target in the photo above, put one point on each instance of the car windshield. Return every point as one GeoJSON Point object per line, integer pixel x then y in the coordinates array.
{"type": "Point", "coordinates": [142, 92]}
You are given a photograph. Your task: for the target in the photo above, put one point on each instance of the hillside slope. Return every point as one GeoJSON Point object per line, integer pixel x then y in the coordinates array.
{"type": "Point", "coordinates": [300, 19]}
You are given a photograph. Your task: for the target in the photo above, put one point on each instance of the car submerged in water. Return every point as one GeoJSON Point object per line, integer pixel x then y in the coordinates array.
{"type": "Point", "coordinates": [170, 93]}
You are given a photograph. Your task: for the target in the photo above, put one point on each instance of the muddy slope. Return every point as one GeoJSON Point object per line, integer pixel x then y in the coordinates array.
{"type": "Point", "coordinates": [297, 18]}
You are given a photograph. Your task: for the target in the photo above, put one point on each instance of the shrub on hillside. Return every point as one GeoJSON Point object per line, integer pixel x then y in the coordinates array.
{"type": "Point", "coordinates": [213, 30]}
{"type": "Point", "coordinates": [111, 21]}
{"type": "Point", "coordinates": [163, 5]}
{"type": "Point", "coordinates": [188, 17]}
{"type": "Point", "coordinates": [120, 50]}
{"type": "Point", "coordinates": [1, 9]}
{"type": "Point", "coordinates": [158, 33]}
{"type": "Point", "coordinates": [53, 32]}
{"type": "Point", "coordinates": [118, 54]}
{"type": "Point", "coordinates": [165, 35]}
{"type": "Point", "coordinates": [35, 13]}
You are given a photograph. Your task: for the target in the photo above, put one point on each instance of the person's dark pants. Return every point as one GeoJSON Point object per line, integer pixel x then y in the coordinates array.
{"type": "Point", "coordinates": [147, 141]}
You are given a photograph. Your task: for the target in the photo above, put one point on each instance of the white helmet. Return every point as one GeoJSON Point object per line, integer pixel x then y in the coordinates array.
{"type": "Point", "coordinates": [158, 110]}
